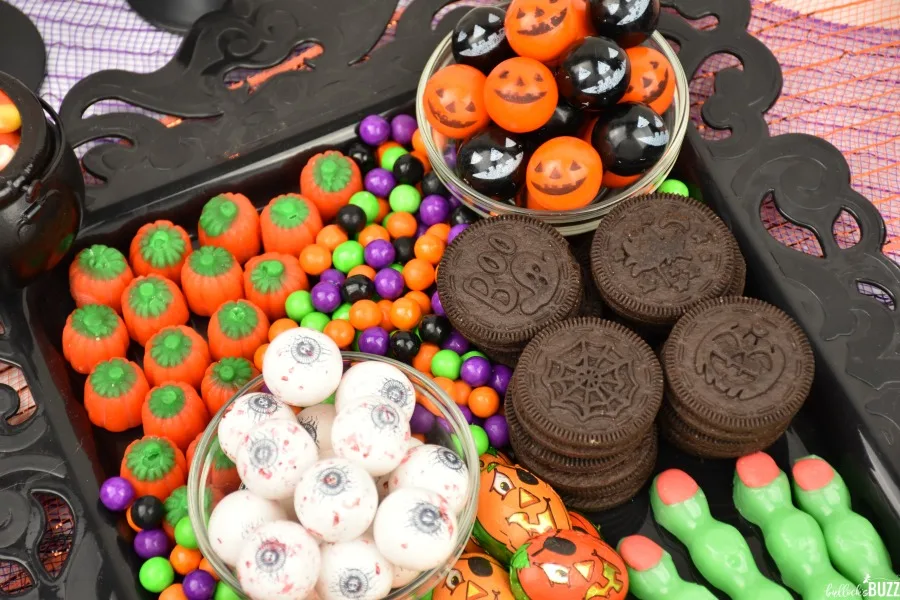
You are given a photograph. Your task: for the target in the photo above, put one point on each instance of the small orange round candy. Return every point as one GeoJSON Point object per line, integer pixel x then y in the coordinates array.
{"type": "Point", "coordinates": [520, 94]}
{"type": "Point", "coordinates": [405, 315]}
{"type": "Point", "coordinates": [542, 29]}
{"type": "Point", "coordinates": [315, 259]}
{"type": "Point", "coordinates": [419, 436]}
{"type": "Point", "coordinates": [379, 152]}
{"type": "Point", "coordinates": [422, 360]}
{"type": "Point", "coordinates": [418, 274]}
{"type": "Point", "coordinates": [484, 402]}
{"type": "Point", "coordinates": [206, 566]}
{"type": "Point", "coordinates": [652, 79]}
{"type": "Point", "coordinates": [420, 298]}
{"type": "Point", "coordinates": [280, 326]}
{"type": "Point", "coordinates": [384, 207]}
{"type": "Point", "coordinates": [454, 101]}
{"type": "Point", "coordinates": [184, 560]}
{"type": "Point", "coordinates": [341, 332]}
{"type": "Point", "coordinates": [440, 231]}
{"type": "Point", "coordinates": [331, 236]}
{"type": "Point", "coordinates": [173, 592]}
{"type": "Point", "coordinates": [258, 356]}
{"type": "Point", "coordinates": [129, 521]}
{"type": "Point", "coordinates": [611, 180]}
{"type": "Point", "coordinates": [461, 391]}
{"type": "Point", "coordinates": [401, 224]}
{"type": "Point", "coordinates": [564, 173]}
{"type": "Point", "coordinates": [417, 143]}
{"type": "Point", "coordinates": [429, 248]}
{"type": "Point", "coordinates": [445, 384]}
{"type": "Point", "coordinates": [385, 305]}
{"type": "Point", "coordinates": [364, 314]}
{"type": "Point", "coordinates": [362, 270]}
{"type": "Point", "coordinates": [373, 232]}
{"type": "Point", "coordinates": [423, 158]}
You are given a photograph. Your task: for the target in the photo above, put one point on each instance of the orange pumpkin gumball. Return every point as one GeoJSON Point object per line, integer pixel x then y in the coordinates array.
{"type": "Point", "coordinates": [454, 101]}
{"type": "Point", "coordinates": [543, 29]}
{"type": "Point", "coordinates": [613, 181]}
{"type": "Point", "coordinates": [520, 94]}
{"type": "Point", "coordinates": [564, 173]}
{"type": "Point", "coordinates": [652, 79]}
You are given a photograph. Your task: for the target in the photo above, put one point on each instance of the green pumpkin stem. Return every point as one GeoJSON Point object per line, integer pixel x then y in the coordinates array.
{"type": "Point", "coordinates": [237, 320]}
{"type": "Point", "coordinates": [232, 372]}
{"type": "Point", "coordinates": [166, 401]}
{"type": "Point", "coordinates": [268, 276]}
{"type": "Point", "coordinates": [289, 211]}
{"type": "Point", "coordinates": [151, 459]}
{"type": "Point", "coordinates": [171, 348]}
{"type": "Point", "coordinates": [211, 261]}
{"type": "Point", "coordinates": [113, 378]}
{"type": "Point", "coordinates": [102, 262]}
{"type": "Point", "coordinates": [96, 321]}
{"type": "Point", "coordinates": [150, 298]}
{"type": "Point", "coordinates": [218, 215]}
{"type": "Point", "coordinates": [332, 173]}
{"type": "Point", "coordinates": [162, 246]}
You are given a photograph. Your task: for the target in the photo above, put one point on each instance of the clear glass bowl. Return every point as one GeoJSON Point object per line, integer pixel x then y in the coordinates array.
{"type": "Point", "coordinates": [568, 222]}
{"type": "Point", "coordinates": [201, 465]}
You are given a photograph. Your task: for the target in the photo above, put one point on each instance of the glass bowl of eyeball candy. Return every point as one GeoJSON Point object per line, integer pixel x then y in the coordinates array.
{"type": "Point", "coordinates": [308, 483]}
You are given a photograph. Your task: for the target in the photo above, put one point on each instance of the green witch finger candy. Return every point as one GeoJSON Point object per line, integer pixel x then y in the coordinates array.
{"type": "Point", "coordinates": [762, 494]}
{"type": "Point", "coordinates": [717, 549]}
{"type": "Point", "coordinates": [652, 574]}
{"type": "Point", "coordinates": [853, 544]}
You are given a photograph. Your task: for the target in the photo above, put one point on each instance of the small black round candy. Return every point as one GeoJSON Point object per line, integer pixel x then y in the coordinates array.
{"type": "Point", "coordinates": [404, 249]}
{"type": "Point", "coordinates": [357, 287]}
{"type": "Point", "coordinates": [405, 345]}
{"type": "Point", "coordinates": [435, 329]}
{"type": "Point", "coordinates": [431, 184]}
{"type": "Point", "coordinates": [628, 22]}
{"type": "Point", "coordinates": [630, 138]}
{"type": "Point", "coordinates": [492, 162]}
{"type": "Point", "coordinates": [479, 39]}
{"type": "Point", "coordinates": [364, 156]}
{"type": "Point", "coordinates": [351, 218]}
{"type": "Point", "coordinates": [593, 74]}
{"type": "Point", "coordinates": [462, 214]}
{"type": "Point", "coordinates": [566, 120]}
{"type": "Point", "coordinates": [408, 169]}
{"type": "Point", "coordinates": [147, 512]}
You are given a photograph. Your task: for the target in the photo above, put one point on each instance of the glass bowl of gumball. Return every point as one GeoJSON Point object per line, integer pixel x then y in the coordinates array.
{"type": "Point", "coordinates": [308, 483]}
{"type": "Point", "coordinates": [558, 109]}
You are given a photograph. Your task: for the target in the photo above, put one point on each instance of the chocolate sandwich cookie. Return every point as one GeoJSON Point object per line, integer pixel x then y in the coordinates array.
{"type": "Point", "coordinates": [740, 271]}
{"type": "Point", "coordinates": [589, 387]}
{"type": "Point", "coordinates": [698, 443]}
{"type": "Point", "coordinates": [504, 279]}
{"type": "Point", "coordinates": [591, 302]}
{"type": "Point", "coordinates": [654, 257]}
{"type": "Point", "coordinates": [739, 365]}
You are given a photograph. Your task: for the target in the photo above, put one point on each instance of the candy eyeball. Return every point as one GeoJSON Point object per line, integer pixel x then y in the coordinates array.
{"type": "Point", "coordinates": [336, 500]}
{"type": "Point", "coordinates": [273, 457]}
{"type": "Point", "coordinates": [354, 570]}
{"type": "Point", "coordinates": [280, 561]}
{"type": "Point", "coordinates": [302, 366]}
{"type": "Point", "coordinates": [434, 468]}
{"type": "Point", "coordinates": [383, 485]}
{"type": "Point", "coordinates": [373, 434]}
{"type": "Point", "coordinates": [317, 421]}
{"type": "Point", "coordinates": [415, 529]}
{"type": "Point", "coordinates": [246, 412]}
{"type": "Point", "coordinates": [235, 518]}
{"type": "Point", "coordinates": [364, 380]}
{"type": "Point", "coordinates": [414, 442]}
{"type": "Point", "coordinates": [403, 577]}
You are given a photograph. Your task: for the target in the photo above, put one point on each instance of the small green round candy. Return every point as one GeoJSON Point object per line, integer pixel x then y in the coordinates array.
{"type": "Point", "coordinates": [224, 592]}
{"type": "Point", "coordinates": [391, 155]}
{"type": "Point", "coordinates": [427, 596]}
{"type": "Point", "coordinates": [156, 574]}
{"type": "Point", "coordinates": [348, 255]}
{"type": "Point", "coordinates": [298, 305]}
{"type": "Point", "coordinates": [328, 400]}
{"type": "Point", "coordinates": [446, 363]}
{"type": "Point", "coordinates": [481, 439]}
{"type": "Point", "coordinates": [472, 353]}
{"type": "Point", "coordinates": [315, 320]}
{"type": "Point", "coordinates": [368, 203]}
{"type": "Point", "coordinates": [456, 444]}
{"type": "Point", "coordinates": [405, 198]}
{"type": "Point", "coordinates": [342, 313]}
{"type": "Point", "coordinates": [673, 186]}
{"type": "Point", "coordinates": [184, 534]}
{"type": "Point", "coordinates": [397, 267]}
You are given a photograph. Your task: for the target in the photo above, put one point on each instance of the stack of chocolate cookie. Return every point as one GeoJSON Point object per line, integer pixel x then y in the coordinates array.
{"type": "Point", "coordinates": [737, 371]}
{"type": "Point", "coordinates": [654, 257]}
{"type": "Point", "coordinates": [580, 408]}
{"type": "Point", "coordinates": [504, 279]}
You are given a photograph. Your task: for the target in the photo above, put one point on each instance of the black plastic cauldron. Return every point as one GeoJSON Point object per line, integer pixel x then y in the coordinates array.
{"type": "Point", "coordinates": [41, 192]}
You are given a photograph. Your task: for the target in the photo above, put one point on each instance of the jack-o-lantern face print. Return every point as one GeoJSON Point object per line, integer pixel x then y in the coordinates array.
{"type": "Point", "coordinates": [479, 39]}
{"type": "Point", "coordinates": [563, 174]}
{"type": "Point", "coordinates": [652, 79]}
{"type": "Point", "coordinates": [593, 74]}
{"type": "Point", "coordinates": [630, 138]}
{"type": "Point", "coordinates": [520, 94]}
{"type": "Point", "coordinates": [582, 524]}
{"type": "Point", "coordinates": [628, 22]}
{"type": "Point", "coordinates": [542, 29]}
{"type": "Point", "coordinates": [454, 101]}
{"type": "Point", "coordinates": [475, 576]}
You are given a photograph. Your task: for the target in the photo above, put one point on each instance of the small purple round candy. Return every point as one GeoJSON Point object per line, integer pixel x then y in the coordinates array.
{"type": "Point", "coordinates": [454, 202]}
{"type": "Point", "coordinates": [374, 130]}
{"type": "Point", "coordinates": [450, 156]}
{"type": "Point", "coordinates": [116, 493]}
{"type": "Point", "coordinates": [434, 209]}
{"type": "Point", "coordinates": [389, 283]}
{"type": "Point", "coordinates": [422, 420]}
{"type": "Point", "coordinates": [379, 253]}
{"type": "Point", "coordinates": [332, 275]}
{"type": "Point", "coordinates": [436, 305]}
{"type": "Point", "coordinates": [500, 376]}
{"type": "Point", "coordinates": [198, 585]}
{"type": "Point", "coordinates": [374, 340]}
{"type": "Point", "coordinates": [477, 421]}
{"type": "Point", "coordinates": [402, 129]}
{"type": "Point", "coordinates": [497, 431]}
{"type": "Point", "coordinates": [421, 229]}
{"type": "Point", "coordinates": [455, 231]}
{"type": "Point", "coordinates": [380, 182]}
{"type": "Point", "coordinates": [467, 413]}
{"type": "Point", "coordinates": [445, 424]}
{"type": "Point", "coordinates": [265, 389]}
{"type": "Point", "coordinates": [151, 542]}
{"type": "Point", "coordinates": [456, 342]}
{"type": "Point", "coordinates": [476, 371]}
{"type": "Point", "coordinates": [326, 296]}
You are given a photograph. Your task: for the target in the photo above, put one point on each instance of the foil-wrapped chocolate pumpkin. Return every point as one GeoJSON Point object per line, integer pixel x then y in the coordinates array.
{"type": "Point", "coordinates": [475, 576]}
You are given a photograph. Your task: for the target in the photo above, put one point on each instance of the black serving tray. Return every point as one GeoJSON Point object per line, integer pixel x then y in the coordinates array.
{"type": "Point", "coordinates": [256, 143]}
